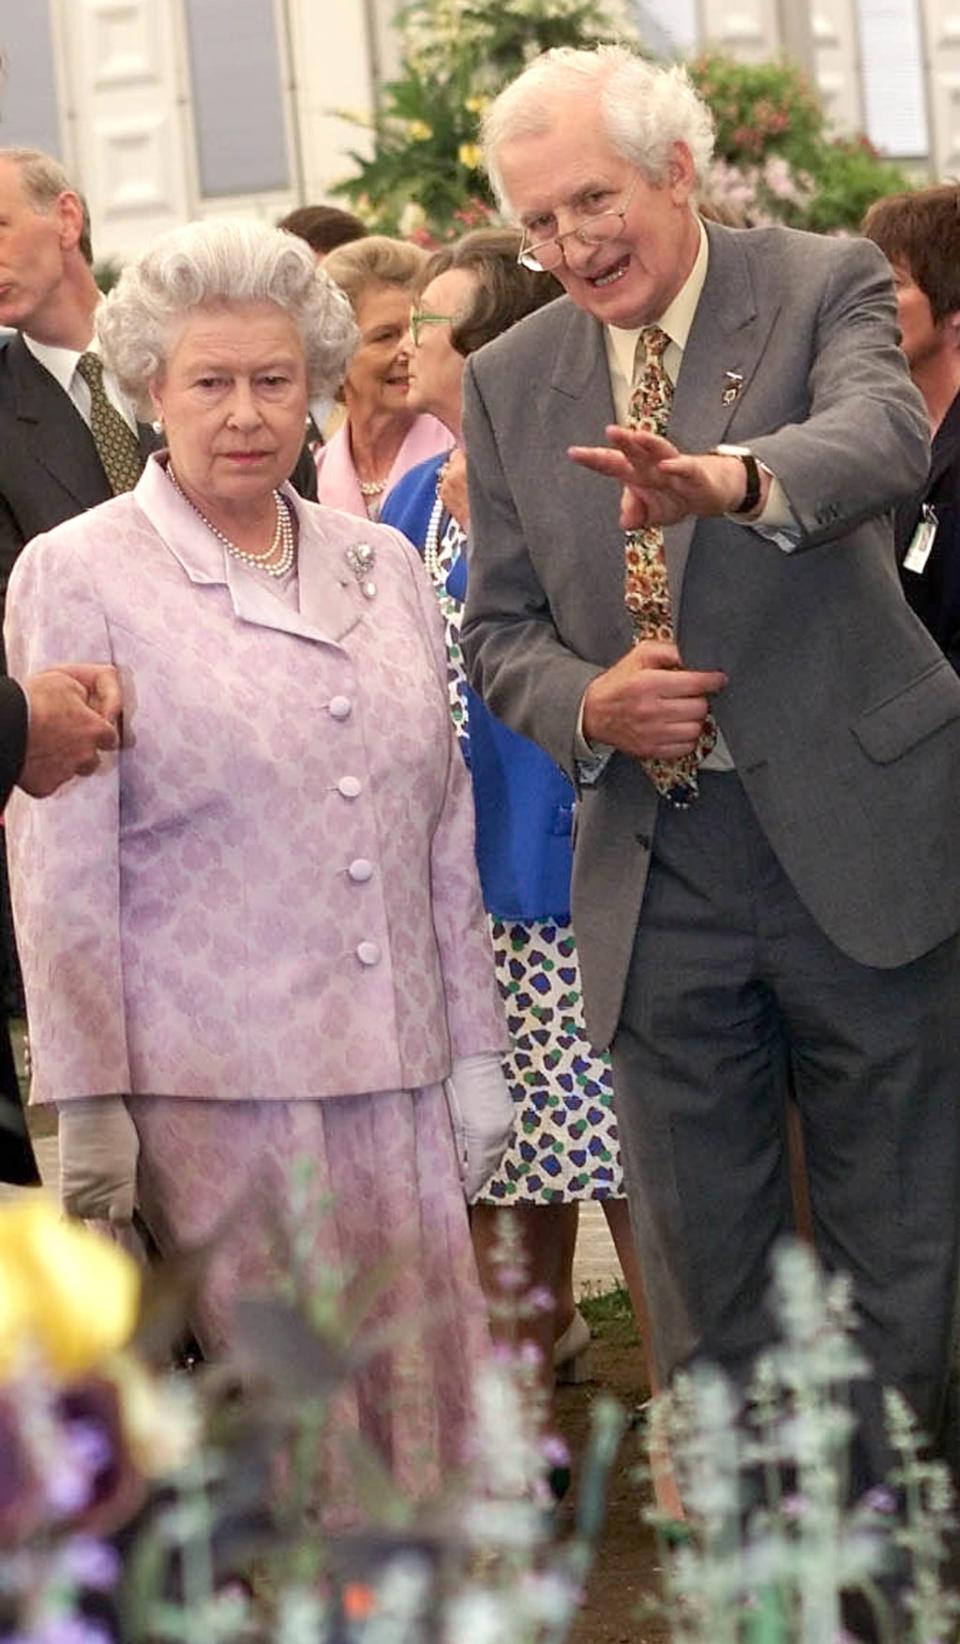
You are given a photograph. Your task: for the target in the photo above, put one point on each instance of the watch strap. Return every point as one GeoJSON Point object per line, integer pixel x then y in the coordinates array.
{"type": "Point", "coordinates": [751, 495]}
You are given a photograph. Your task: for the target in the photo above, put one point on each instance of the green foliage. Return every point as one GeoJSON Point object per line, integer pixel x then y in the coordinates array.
{"type": "Point", "coordinates": [425, 155]}
{"type": "Point", "coordinates": [609, 1307]}
{"type": "Point", "coordinates": [760, 109]}
{"type": "Point", "coordinates": [775, 1571]}
{"type": "Point", "coordinates": [849, 176]}
{"type": "Point", "coordinates": [424, 177]}
{"type": "Point", "coordinates": [775, 159]}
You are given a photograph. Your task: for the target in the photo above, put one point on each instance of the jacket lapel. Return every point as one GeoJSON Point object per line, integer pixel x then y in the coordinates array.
{"type": "Point", "coordinates": [330, 599]}
{"type": "Point", "coordinates": [578, 407]}
{"type": "Point", "coordinates": [726, 343]}
{"type": "Point", "coordinates": [59, 439]}
{"type": "Point", "coordinates": [330, 602]}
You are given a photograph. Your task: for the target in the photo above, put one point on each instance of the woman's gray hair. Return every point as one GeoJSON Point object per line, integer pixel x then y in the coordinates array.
{"type": "Point", "coordinates": [203, 265]}
{"type": "Point", "coordinates": [645, 109]}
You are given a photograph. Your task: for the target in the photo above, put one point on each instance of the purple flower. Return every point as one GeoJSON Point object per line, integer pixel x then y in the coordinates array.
{"type": "Point", "coordinates": [95, 1447]}
{"type": "Point", "coordinates": [65, 1629]}
{"type": "Point", "coordinates": [880, 1500]}
{"type": "Point", "coordinates": [71, 1479]}
{"type": "Point", "coordinates": [541, 1299]}
{"type": "Point", "coordinates": [554, 1450]}
{"type": "Point", "coordinates": [91, 1564]}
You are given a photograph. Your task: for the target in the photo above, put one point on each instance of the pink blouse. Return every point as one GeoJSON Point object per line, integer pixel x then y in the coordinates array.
{"type": "Point", "coordinates": [337, 482]}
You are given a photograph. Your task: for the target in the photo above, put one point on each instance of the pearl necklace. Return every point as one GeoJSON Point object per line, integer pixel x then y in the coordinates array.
{"type": "Point", "coordinates": [431, 544]}
{"type": "Point", "coordinates": [282, 535]}
{"type": "Point", "coordinates": [371, 488]}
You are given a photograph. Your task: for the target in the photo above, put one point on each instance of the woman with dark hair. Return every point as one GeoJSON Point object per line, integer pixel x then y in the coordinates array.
{"type": "Point", "coordinates": [564, 1146]}
{"type": "Point", "coordinates": [919, 234]}
{"type": "Point", "coordinates": [324, 227]}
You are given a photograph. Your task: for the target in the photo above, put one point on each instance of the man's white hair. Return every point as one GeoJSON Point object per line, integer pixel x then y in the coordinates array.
{"type": "Point", "coordinates": [644, 109]}
{"type": "Point", "coordinates": [222, 260]}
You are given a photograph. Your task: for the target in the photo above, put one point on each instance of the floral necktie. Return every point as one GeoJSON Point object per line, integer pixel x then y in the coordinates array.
{"type": "Point", "coordinates": [117, 445]}
{"type": "Point", "coordinates": [647, 590]}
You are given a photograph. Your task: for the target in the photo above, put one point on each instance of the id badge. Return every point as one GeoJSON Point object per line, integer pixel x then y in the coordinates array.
{"type": "Point", "coordinates": [921, 542]}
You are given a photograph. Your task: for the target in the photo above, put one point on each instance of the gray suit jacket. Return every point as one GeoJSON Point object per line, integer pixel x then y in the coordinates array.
{"type": "Point", "coordinates": [841, 713]}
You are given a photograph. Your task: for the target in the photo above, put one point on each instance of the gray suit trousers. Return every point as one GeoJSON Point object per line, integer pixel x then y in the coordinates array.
{"type": "Point", "coordinates": [735, 998]}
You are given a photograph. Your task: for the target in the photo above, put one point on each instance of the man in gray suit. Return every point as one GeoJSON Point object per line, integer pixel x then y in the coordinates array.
{"type": "Point", "coordinates": [765, 740]}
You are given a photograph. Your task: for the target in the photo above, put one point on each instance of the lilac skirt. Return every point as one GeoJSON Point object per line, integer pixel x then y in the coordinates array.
{"type": "Point", "coordinates": [384, 1176]}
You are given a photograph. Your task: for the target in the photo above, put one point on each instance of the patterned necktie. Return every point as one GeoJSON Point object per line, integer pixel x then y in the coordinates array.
{"type": "Point", "coordinates": [117, 445]}
{"type": "Point", "coordinates": [647, 591]}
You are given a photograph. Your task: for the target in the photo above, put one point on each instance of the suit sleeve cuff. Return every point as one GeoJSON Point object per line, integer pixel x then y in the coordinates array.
{"type": "Point", "coordinates": [592, 757]}
{"type": "Point", "coordinates": [776, 520]}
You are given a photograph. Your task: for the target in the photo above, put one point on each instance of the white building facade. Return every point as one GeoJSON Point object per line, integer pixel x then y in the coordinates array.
{"type": "Point", "coordinates": [165, 110]}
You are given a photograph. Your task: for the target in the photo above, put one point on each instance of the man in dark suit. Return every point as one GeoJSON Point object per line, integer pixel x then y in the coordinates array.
{"type": "Point", "coordinates": [920, 235]}
{"type": "Point", "coordinates": [766, 742]}
{"type": "Point", "coordinates": [51, 466]}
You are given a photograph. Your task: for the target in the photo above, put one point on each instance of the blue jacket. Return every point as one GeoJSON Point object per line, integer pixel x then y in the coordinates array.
{"type": "Point", "coordinates": [522, 800]}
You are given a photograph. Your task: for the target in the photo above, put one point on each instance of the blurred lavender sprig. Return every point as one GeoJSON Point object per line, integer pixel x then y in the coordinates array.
{"type": "Point", "coordinates": [771, 1542]}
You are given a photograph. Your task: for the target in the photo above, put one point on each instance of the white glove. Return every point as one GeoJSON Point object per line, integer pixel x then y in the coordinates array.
{"type": "Point", "coordinates": [482, 1115]}
{"type": "Point", "coordinates": [99, 1148]}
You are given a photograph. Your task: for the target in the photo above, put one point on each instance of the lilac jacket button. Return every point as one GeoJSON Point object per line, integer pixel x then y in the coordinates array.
{"type": "Point", "coordinates": [368, 953]}
{"type": "Point", "coordinates": [340, 707]}
{"type": "Point", "coordinates": [360, 870]}
{"type": "Point", "coordinates": [349, 786]}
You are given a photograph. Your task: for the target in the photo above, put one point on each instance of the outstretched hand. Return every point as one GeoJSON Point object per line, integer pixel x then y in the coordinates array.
{"type": "Point", "coordinates": [660, 485]}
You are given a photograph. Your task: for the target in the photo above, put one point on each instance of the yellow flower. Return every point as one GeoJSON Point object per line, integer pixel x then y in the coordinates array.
{"type": "Point", "coordinates": [476, 105]}
{"type": "Point", "coordinates": [418, 131]}
{"type": "Point", "coordinates": [63, 1290]}
{"type": "Point", "coordinates": [470, 155]}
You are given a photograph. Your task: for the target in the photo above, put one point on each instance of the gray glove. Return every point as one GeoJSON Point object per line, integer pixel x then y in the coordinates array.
{"type": "Point", "coordinates": [482, 1116]}
{"type": "Point", "coordinates": [99, 1148]}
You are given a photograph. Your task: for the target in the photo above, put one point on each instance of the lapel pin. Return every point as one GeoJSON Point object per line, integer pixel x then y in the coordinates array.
{"type": "Point", "coordinates": [361, 558]}
{"type": "Point", "coordinates": [734, 385]}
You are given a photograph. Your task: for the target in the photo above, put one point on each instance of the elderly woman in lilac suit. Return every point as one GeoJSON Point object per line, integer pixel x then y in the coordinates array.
{"type": "Point", "coordinates": [255, 935]}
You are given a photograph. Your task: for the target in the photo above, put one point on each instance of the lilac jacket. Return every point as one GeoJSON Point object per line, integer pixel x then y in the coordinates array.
{"type": "Point", "coordinates": [337, 483]}
{"type": "Point", "coordinates": [270, 892]}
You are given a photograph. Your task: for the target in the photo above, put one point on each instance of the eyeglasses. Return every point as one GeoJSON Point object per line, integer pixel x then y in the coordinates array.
{"type": "Point", "coordinates": [418, 320]}
{"type": "Point", "coordinates": [544, 255]}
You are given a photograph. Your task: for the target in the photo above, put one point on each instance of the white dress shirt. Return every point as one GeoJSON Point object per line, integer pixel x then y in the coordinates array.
{"type": "Point", "coordinates": [62, 366]}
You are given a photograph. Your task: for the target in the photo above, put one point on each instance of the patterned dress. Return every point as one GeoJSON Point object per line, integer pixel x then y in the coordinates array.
{"type": "Point", "coordinates": [564, 1145]}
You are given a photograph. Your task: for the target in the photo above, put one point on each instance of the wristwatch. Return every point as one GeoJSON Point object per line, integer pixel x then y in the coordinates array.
{"type": "Point", "coordinates": [751, 495]}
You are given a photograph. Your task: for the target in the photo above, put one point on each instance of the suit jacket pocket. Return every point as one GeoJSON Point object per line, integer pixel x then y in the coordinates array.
{"type": "Point", "coordinates": [925, 705]}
